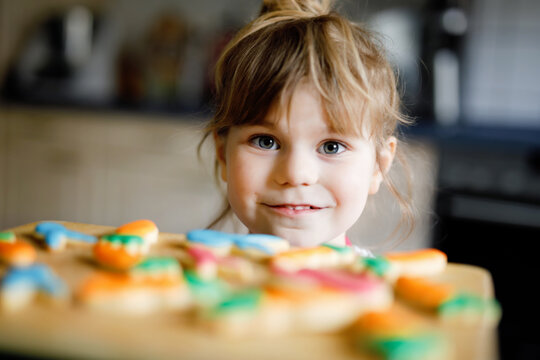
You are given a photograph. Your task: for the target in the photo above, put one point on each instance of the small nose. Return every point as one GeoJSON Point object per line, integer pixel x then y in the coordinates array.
{"type": "Point", "coordinates": [296, 168]}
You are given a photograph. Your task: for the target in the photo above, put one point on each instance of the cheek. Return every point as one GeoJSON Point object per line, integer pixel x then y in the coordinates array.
{"type": "Point", "coordinates": [244, 177]}
{"type": "Point", "coordinates": [352, 186]}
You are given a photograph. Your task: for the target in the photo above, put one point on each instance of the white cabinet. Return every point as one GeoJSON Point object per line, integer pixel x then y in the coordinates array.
{"type": "Point", "coordinates": [104, 169]}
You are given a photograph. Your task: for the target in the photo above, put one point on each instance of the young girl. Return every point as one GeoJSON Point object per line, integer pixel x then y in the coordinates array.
{"type": "Point", "coordinates": [306, 110]}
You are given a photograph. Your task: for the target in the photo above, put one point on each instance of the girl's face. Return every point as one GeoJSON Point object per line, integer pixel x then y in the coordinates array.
{"type": "Point", "coordinates": [294, 178]}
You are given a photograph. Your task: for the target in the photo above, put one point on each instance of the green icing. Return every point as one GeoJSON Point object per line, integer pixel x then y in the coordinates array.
{"type": "Point", "coordinates": [247, 299]}
{"type": "Point", "coordinates": [206, 292]}
{"type": "Point", "coordinates": [7, 236]}
{"type": "Point", "coordinates": [379, 265]}
{"type": "Point", "coordinates": [467, 303]}
{"type": "Point", "coordinates": [341, 249]}
{"type": "Point", "coordinates": [405, 348]}
{"type": "Point", "coordinates": [123, 239]}
{"type": "Point", "coordinates": [155, 264]}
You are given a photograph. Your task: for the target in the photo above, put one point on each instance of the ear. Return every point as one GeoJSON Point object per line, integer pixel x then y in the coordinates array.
{"type": "Point", "coordinates": [220, 143]}
{"type": "Point", "coordinates": [382, 166]}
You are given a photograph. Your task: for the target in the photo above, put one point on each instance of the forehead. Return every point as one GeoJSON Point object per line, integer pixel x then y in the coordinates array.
{"type": "Point", "coordinates": [305, 102]}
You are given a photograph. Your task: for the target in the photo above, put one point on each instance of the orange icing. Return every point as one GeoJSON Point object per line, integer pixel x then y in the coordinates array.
{"type": "Point", "coordinates": [389, 322]}
{"type": "Point", "coordinates": [110, 283]}
{"type": "Point", "coordinates": [18, 252]}
{"type": "Point", "coordinates": [300, 295]}
{"type": "Point", "coordinates": [137, 227]}
{"type": "Point", "coordinates": [302, 257]}
{"type": "Point", "coordinates": [116, 257]}
{"type": "Point", "coordinates": [423, 292]}
{"type": "Point", "coordinates": [416, 255]}
{"type": "Point", "coordinates": [304, 253]}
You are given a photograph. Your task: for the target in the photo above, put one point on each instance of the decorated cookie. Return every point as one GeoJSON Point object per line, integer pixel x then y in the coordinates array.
{"type": "Point", "coordinates": [205, 292]}
{"type": "Point", "coordinates": [378, 266]}
{"type": "Point", "coordinates": [397, 335]}
{"type": "Point", "coordinates": [155, 284]}
{"type": "Point", "coordinates": [120, 252]}
{"type": "Point", "coordinates": [422, 292]}
{"type": "Point", "coordinates": [424, 262]}
{"type": "Point", "coordinates": [158, 267]}
{"type": "Point", "coordinates": [231, 268]}
{"type": "Point", "coordinates": [319, 257]}
{"type": "Point", "coordinates": [146, 229]}
{"type": "Point", "coordinates": [260, 245]}
{"type": "Point", "coordinates": [446, 301]}
{"type": "Point", "coordinates": [15, 252]}
{"type": "Point", "coordinates": [203, 262]}
{"type": "Point", "coordinates": [221, 243]}
{"type": "Point", "coordinates": [470, 309]}
{"type": "Point", "coordinates": [56, 235]}
{"type": "Point", "coordinates": [240, 270]}
{"type": "Point", "coordinates": [20, 286]}
{"type": "Point", "coordinates": [240, 314]}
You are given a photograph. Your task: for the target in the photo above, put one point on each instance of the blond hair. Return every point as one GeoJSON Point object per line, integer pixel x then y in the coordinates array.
{"type": "Point", "coordinates": [294, 41]}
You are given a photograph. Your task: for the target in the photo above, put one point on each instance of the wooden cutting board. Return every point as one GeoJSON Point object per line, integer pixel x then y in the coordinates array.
{"type": "Point", "coordinates": [70, 331]}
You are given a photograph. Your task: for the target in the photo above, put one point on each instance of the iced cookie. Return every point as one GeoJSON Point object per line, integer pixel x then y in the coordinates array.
{"type": "Point", "coordinates": [260, 246]}
{"type": "Point", "coordinates": [232, 268]}
{"type": "Point", "coordinates": [146, 229]}
{"type": "Point", "coordinates": [424, 262]}
{"type": "Point", "coordinates": [319, 257]}
{"type": "Point", "coordinates": [120, 252]}
{"type": "Point", "coordinates": [327, 308]}
{"type": "Point", "coordinates": [470, 309]}
{"type": "Point", "coordinates": [240, 270]}
{"type": "Point", "coordinates": [15, 252]}
{"type": "Point", "coordinates": [155, 284]}
{"type": "Point", "coordinates": [422, 292]}
{"type": "Point", "coordinates": [239, 314]}
{"type": "Point", "coordinates": [203, 262]}
{"type": "Point", "coordinates": [158, 267]}
{"type": "Point", "coordinates": [21, 285]}
{"type": "Point", "coordinates": [447, 302]}
{"type": "Point", "coordinates": [378, 266]}
{"type": "Point", "coordinates": [56, 235]}
{"type": "Point", "coordinates": [206, 292]}
{"type": "Point", "coordinates": [217, 242]}
{"type": "Point", "coordinates": [397, 335]}
{"type": "Point", "coordinates": [221, 243]}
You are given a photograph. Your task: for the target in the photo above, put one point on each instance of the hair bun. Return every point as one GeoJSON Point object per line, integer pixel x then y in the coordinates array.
{"type": "Point", "coordinates": [309, 7]}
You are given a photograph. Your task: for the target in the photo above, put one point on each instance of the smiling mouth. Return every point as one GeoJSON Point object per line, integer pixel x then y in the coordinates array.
{"type": "Point", "coordinates": [297, 207]}
{"type": "Point", "coordinates": [293, 209]}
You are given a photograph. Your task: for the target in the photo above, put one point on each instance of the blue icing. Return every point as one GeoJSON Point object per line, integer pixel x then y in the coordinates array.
{"type": "Point", "coordinates": [55, 233]}
{"type": "Point", "coordinates": [218, 238]}
{"type": "Point", "coordinates": [210, 237]}
{"type": "Point", "coordinates": [80, 236]}
{"type": "Point", "coordinates": [256, 241]}
{"type": "Point", "coordinates": [247, 243]}
{"type": "Point", "coordinates": [45, 227]}
{"type": "Point", "coordinates": [261, 237]}
{"type": "Point", "coordinates": [38, 276]}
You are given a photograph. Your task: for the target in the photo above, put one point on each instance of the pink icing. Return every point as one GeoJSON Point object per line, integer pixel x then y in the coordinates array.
{"type": "Point", "coordinates": [202, 256]}
{"type": "Point", "coordinates": [335, 278]}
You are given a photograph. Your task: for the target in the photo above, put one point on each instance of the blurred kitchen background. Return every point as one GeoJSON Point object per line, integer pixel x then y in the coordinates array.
{"type": "Point", "coordinates": [102, 103]}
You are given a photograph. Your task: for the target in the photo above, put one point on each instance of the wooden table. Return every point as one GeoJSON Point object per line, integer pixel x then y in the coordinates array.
{"type": "Point", "coordinates": [69, 331]}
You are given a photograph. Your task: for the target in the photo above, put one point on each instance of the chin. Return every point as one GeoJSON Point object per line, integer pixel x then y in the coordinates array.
{"type": "Point", "coordinates": [299, 238]}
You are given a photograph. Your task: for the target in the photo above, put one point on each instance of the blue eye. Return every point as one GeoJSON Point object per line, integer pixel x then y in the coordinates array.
{"type": "Point", "coordinates": [265, 142]}
{"type": "Point", "coordinates": [331, 148]}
